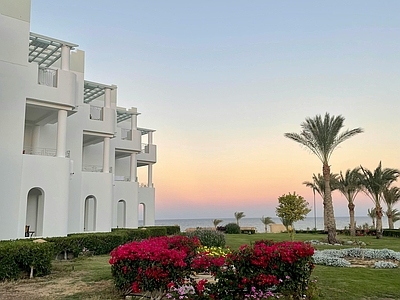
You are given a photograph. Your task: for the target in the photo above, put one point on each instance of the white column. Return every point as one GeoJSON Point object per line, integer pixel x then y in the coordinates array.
{"type": "Point", "coordinates": [65, 57]}
{"type": "Point", "coordinates": [107, 97]}
{"type": "Point", "coordinates": [133, 167]}
{"type": "Point", "coordinates": [133, 125]}
{"type": "Point", "coordinates": [61, 133]}
{"type": "Point", "coordinates": [35, 137]}
{"type": "Point", "coordinates": [106, 155]}
{"type": "Point", "coordinates": [150, 138]}
{"type": "Point", "coordinates": [150, 175]}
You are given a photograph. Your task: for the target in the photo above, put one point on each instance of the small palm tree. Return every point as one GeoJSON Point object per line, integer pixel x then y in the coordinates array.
{"type": "Point", "coordinates": [322, 136]}
{"type": "Point", "coordinates": [391, 196]}
{"type": "Point", "coordinates": [395, 216]}
{"type": "Point", "coordinates": [350, 185]}
{"type": "Point", "coordinates": [216, 222]}
{"type": "Point", "coordinates": [318, 185]}
{"type": "Point", "coordinates": [374, 183]}
{"type": "Point", "coordinates": [372, 214]}
{"type": "Point", "coordinates": [239, 215]}
{"type": "Point", "coordinates": [266, 221]}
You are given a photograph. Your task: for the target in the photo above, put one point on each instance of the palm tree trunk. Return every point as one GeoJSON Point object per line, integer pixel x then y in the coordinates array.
{"type": "Point", "coordinates": [352, 221]}
{"type": "Point", "coordinates": [390, 220]}
{"type": "Point", "coordinates": [325, 218]}
{"type": "Point", "coordinates": [379, 214]}
{"type": "Point", "coordinates": [331, 223]}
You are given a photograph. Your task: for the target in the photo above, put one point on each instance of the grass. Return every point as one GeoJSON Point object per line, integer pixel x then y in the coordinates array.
{"type": "Point", "coordinates": [90, 277]}
{"type": "Point", "coordinates": [342, 283]}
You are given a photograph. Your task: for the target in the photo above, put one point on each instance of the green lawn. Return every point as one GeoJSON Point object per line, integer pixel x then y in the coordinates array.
{"type": "Point", "coordinates": [342, 283]}
{"type": "Point", "coordinates": [90, 277]}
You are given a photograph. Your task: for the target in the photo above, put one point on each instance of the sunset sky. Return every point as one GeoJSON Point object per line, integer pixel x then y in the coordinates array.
{"type": "Point", "coordinates": [222, 81]}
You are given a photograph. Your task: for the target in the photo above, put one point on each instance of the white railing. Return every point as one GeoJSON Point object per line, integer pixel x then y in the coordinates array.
{"type": "Point", "coordinates": [94, 168]}
{"type": "Point", "coordinates": [43, 151]}
{"type": "Point", "coordinates": [126, 134]}
{"type": "Point", "coordinates": [47, 77]}
{"type": "Point", "coordinates": [145, 148]}
{"type": "Point", "coordinates": [122, 178]}
{"type": "Point", "coordinates": [96, 113]}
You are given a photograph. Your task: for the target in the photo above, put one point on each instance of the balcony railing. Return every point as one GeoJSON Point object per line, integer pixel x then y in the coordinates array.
{"type": "Point", "coordinates": [126, 134]}
{"type": "Point", "coordinates": [96, 113]}
{"type": "Point", "coordinates": [47, 77]}
{"type": "Point", "coordinates": [145, 148]}
{"type": "Point", "coordinates": [122, 178]}
{"type": "Point", "coordinates": [94, 168]}
{"type": "Point", "coordinates": [43, 151]}
{"type": "Point", "coordinates": [143, 185]}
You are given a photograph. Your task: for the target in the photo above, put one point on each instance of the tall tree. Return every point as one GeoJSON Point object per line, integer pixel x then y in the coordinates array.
{"type": "Point", "coordinates": [391, 196]}
{"type": "Point", "coordinates": [374, 183]}
{"type": "Point", "coordinates": [239, 215]}
{"type": "Point", "coordinates": [350, 185]}
{"type": "Point", "coordinates": [318, 185]}
{"type": "Point", "coordinates": [266, 221]}
{"type": "Point", "coordinates": [372, 214]}
{"type": "Point", "coordinates": [322, 135]}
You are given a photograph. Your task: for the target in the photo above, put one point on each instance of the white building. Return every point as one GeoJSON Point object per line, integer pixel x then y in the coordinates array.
{"type": "Point", "coordinates": [69, 156]}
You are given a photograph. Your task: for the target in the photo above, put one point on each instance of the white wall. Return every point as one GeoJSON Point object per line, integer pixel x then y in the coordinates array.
{"type": "Point", "coordinates": [13, 67]}
{"type": "Point", "coordinates": [128, 191]}
{"type": "Point", "coordinates": [51, 175]}
{"type": "Point", "coordinates": [147, 197]}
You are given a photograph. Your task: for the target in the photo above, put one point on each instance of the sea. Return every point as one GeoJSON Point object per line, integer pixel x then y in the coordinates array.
{"type": "Point", "coordinates": [308, 223]}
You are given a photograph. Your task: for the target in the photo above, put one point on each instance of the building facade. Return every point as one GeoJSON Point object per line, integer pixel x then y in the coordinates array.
{"type": "Point", "coordinates": [69, 154]}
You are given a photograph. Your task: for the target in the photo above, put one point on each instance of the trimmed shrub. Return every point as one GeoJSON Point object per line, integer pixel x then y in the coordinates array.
{"type": "Point", "coordinates": [232, 228]}
{"type": "Point", "coordinates": [391, 232]}
{"type": "Point", "coordinates": [209, 238]}
{"type": "Point", "coordinates": [17, 258]}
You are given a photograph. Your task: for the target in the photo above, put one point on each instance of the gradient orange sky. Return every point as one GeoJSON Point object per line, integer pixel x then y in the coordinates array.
{"type": "Point", "coordinates": [221, 82]}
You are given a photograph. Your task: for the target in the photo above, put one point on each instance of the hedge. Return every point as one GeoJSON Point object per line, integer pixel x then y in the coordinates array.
{"type": "Point", "coordinates": [18, 257]}
{"type": "Point", "coordinates": [391, 232]}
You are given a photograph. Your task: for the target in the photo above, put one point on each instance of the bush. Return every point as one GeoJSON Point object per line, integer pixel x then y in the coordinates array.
{"type": "Point", "coordinates": [209, 238]}
{"type": "Point", "coordinates": [150, 265]}
{"type": "Point", "coordinates": [17, 258]}
{"type": "Point", "coordinates": [160, 267]}
{"type": "Point", "coordinates": [232, 228]}
{"type": "Point", "coordinates": [284, 266]}
{"type": "Point", "coordinates": [391, 232]}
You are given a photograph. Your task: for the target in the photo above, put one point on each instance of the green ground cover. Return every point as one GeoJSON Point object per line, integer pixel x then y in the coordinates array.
{"type": "Point", "coordinates": [90, 277]}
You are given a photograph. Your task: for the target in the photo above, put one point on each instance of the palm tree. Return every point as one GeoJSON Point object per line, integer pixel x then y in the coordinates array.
{"type": "Point", "coordinates": [216, 222]}
{"type": "Point", "coordinates": [322, 136]}
{"type": "Point", "coordinates": [266, 221]}
{"type": "Point", "coordinates": [350, 185]}
{"type": "Point", "coordinates": [318, 185]}
{"type": "Point", "coordinates": [238, 216]}
{"type": "Point", "coordinates": [372, 214]}
{"type": "Point", "coordinates": [391, 196]}
{"type": "Point", "coordinates": [395, 216]}
{"type": "Point", "coordinates": [374, 183]}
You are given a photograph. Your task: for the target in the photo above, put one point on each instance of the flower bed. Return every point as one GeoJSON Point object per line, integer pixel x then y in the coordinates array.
{"type": "Point", "coordinates": [342, 258]}
{"type": "Point", "coordinates": [167, 266]}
